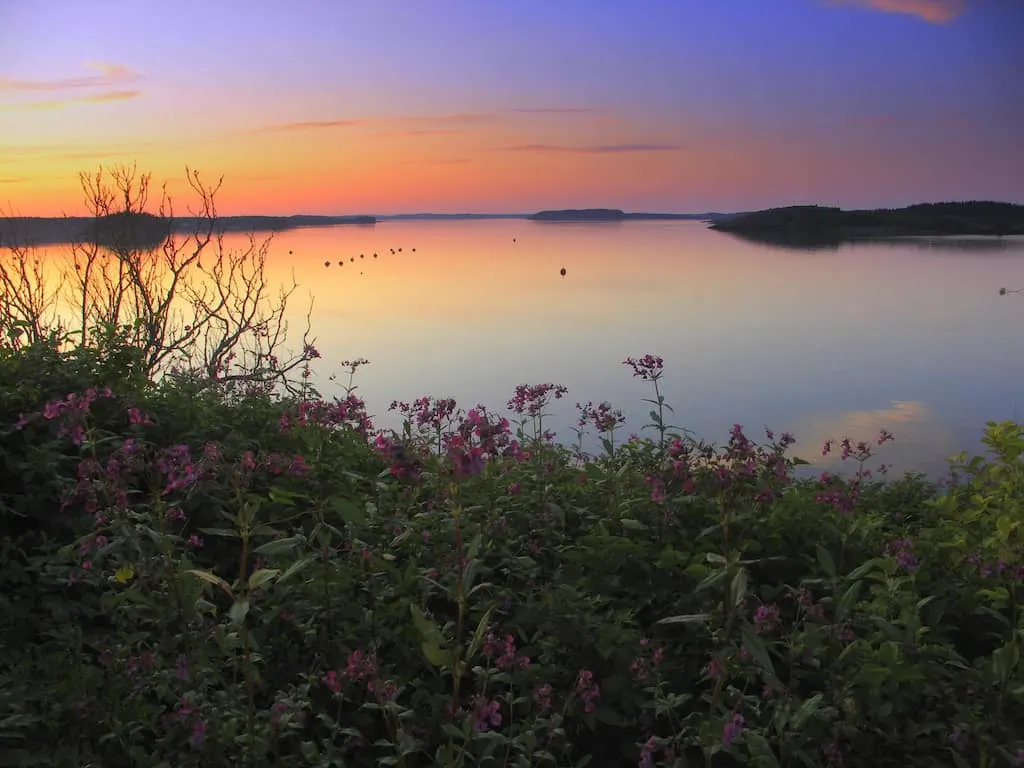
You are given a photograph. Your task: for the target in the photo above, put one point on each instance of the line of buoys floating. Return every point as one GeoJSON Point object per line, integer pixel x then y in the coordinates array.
{"type": "Point", "coordinates": [341, 262]}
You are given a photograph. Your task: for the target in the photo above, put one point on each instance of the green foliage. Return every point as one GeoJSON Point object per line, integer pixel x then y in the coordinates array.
{"type": "Point", "coordinates": [192, 578]}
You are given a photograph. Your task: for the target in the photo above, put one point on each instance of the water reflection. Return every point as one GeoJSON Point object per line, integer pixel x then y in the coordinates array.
{"type": "Point", "coordinates": [907, 334]}
{"type": "Point", "coordinates": [923, 445]}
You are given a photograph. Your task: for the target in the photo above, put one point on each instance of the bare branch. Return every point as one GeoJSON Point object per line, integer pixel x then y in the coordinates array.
{"type": "Point", "coordinates": [177, 294]}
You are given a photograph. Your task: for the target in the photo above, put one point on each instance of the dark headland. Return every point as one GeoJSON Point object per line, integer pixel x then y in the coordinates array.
{"type": "Point", "coordinates": [614, 214]}
{"type": "Point", "coordinates": [23, 230]}
{"type": "Point", "coordinates": [818, 224]}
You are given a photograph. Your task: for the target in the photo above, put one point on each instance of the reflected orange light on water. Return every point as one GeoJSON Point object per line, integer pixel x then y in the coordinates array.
{"type": "Point", "coordinates": [823, 343]}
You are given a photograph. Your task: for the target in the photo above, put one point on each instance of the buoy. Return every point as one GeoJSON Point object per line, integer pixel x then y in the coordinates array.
{"type": "Point", "coordinates": [563, 271]}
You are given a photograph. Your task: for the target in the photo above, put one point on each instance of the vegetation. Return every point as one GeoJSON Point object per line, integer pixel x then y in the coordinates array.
{"type": "Point", "coordinates": [817, 225]}
{"type": "Point", "coordinates": [201, 570]}
{"type": "Point", "coordinates": [610, 214]}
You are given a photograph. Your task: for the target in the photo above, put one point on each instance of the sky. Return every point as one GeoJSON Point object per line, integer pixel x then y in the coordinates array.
{"type": "Point", "coordinates": [382, 107]}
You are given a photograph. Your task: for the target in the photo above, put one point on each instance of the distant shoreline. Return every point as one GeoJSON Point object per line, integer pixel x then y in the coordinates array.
{"type": "Point", "coordinates": [32, 230]}
{"type": "Point", "coordinates": [818, 225]}
{"type": "Point", "coordinates": [798, 226]}
{"type": "Point", "coordinates": [614, 214]}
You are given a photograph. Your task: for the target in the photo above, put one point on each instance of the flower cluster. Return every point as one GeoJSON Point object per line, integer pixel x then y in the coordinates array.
{"type": "Point", "coordinates": [532, 399]}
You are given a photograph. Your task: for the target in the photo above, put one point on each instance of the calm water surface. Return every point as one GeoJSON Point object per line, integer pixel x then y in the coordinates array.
{"type": "Point", "coordinates": [910, 336]}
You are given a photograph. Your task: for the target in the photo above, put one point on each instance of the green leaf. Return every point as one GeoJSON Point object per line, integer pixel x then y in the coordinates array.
{"type": "Point", "coordinates": [478, 634]}
{"type": "Point", "coordinates": [807, 711]}
{"type": "Point", "coordinates": [828, 565]}
{"type": "Point", "coordinates": [212, 578]}
{"type": "Point", "coordinates": [474, 546]}
{"type": "Point", "coordinates": [760, 750]}
{"type": "Point", "coordinates": [280, 546]}
{"type": "Point", "coordinates": [349, 511]}
{"type": "Point", "coordinates": [258, 578]}
{"type": "Point", "coordinates": [691, 618]}
{"type": "Point", "coordinates": [714, 557]}
{"type": "Point", "coordinates": [756, 648]}
{"type": "Point", "coordinates": [437, 657]}
{"type": "Point", "coordinates": [710, 580]}
{"type": "Point", "coordinates": [848, 600]}
{"type": "Point", "coordinates": [864, 568]}
{"type": "Point", "coordinates": [738, 589]}
{"type": "Point", "coordinates": [295, 567]}
{"type": "Point", "coordinates": [469, 575]}
{"type": "Point", "coordinates": [632, 525]}
{"type": "Point", "coordinates": [238, 611]}
{"type": "Point", "coordinates": [283, 496]}
{"type": "Point", "coordinates": [427, 629]}
{"type": "Point", "coordinates": [226, 533]}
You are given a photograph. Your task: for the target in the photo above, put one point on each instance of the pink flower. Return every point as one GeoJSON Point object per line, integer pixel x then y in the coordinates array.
{"type": "Point", "coordinates": [732, 729]}
{"type": "Point", "coordinates": [486, 714]}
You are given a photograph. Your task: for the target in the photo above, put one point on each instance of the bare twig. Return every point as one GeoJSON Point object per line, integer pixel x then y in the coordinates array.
{"type": "Point", "coordinates": [182, 298]}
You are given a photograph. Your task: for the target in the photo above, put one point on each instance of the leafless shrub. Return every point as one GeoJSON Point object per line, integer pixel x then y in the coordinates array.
{"type": "Point", "coordinates": [168, 287]}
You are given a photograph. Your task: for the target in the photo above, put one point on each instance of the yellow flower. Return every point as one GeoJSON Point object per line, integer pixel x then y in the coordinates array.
{"type": "Point", "coordinates": [124, 574]}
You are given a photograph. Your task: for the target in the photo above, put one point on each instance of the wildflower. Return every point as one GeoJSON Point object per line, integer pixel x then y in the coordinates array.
{"type": "Point", "coordinates": [648, 367]}
{"type": "Point", "coordinates": [508, 659]}
{"type": "Point", "coordinates": [588, 691]}
{"type": "Point", "coordinates": [137, 417]}
{"type": "Point", "coordinates": [332, 681]}
{"type": "Point", "coordinates": [198, 735]}
{"type": "Point", "coordinates": [532, 399]}
{"type": "Point", "coordinates": [542, 695]}
{"type": "Point", "coordinates": [903, 551]}
{"type": "Point", "coordinates": [385, 692]}
{"type": "Point", "coordinates": [766, 618]}
{"type": "Point", "coordinates": [360, 667]}
{"type": "Point", "coordinates": [486, 714]}
{"type": "Point", "coordinates": [647, 753]}
{"type": "Point", "coordinates": [657, 489]}
{"type": "Point", "coordinates": [732, 729]}
{"type": "Point", "coordinates": [277, 710]}
{"type": "Point", "coordinates": [714, 669]}
{"type": "Point", "coordinates": [604, 418]}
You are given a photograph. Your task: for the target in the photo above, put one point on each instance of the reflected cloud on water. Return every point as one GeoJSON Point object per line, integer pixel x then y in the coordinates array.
{"type": "Point", "coordinates": [921, 439]}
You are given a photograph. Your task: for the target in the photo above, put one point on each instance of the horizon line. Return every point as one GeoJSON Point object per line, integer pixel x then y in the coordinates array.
{"type": "Point", "coordinates": [516, 215]}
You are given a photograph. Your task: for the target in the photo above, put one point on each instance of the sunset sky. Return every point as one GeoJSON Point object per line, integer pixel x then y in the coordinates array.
{"type": "Point", "coordinates": [378, 107]}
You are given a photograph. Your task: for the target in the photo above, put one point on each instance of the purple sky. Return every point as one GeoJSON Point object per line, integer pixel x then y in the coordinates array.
{"type": "Point", "coordinates": [462, 105]}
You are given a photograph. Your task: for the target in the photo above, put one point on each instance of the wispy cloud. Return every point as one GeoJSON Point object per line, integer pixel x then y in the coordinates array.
{"type": "Point", "coordinates": [308, 125]}
{"type": "Point", "coordinates": [457, 119]}
{"type": "Point", "coordinates": [443, 161]}
{"type": "Point", "coordinates": [932, 11]}
{"type": "Point", "coordinates": [423, 132]}
{"type": "Point", "coordinates": [95, 98]}
{"type": "Point", "coordinates": [560, 110]}
{"type": "Point", "coordinates": [13, 179]}
{"type": "Point", "coordinates": [451, 119]}
{"type": "Point", "coordinates": [31, 152]}
{"type": "Point", "coordinates": [425, 125]}
{"type": "Point", "coordinates": [107, 76]}
{"type": "Point", "coordinates": [599, 149]}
